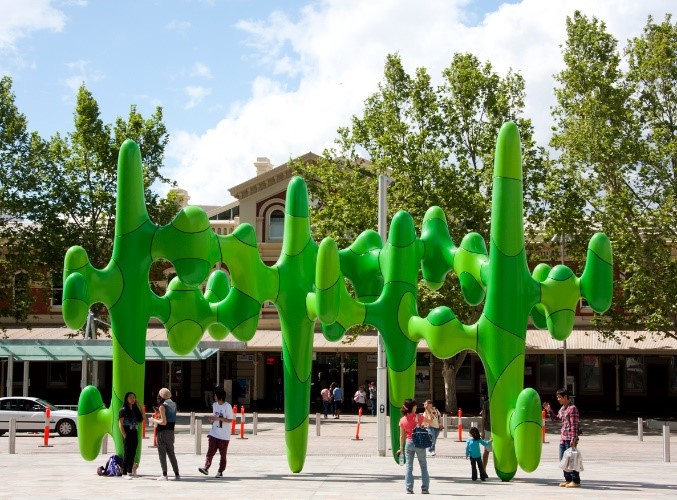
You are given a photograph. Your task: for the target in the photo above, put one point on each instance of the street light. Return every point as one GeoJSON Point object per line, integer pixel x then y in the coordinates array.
{"type": "Point", "coordinates": [560, 238]}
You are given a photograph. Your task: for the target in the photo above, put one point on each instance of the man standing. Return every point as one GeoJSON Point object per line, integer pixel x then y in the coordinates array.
{"type": "Point", "coordinates": [372, 397]}
{"type": "Point", "coordinates": [219, 435]}
{"type": "Point", "coordinates": [570, 419]}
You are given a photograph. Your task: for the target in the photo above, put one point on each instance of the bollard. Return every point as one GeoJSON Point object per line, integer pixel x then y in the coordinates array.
{"type": "Point", "coordinates": [473, 424]}
{"type": "Point", "coordinates": [543, 425]}
{"type": "Point", "coordinates": [104, 445]}
{"type": "Point", "coordinates": [192, 423]}
{"type": "Point", "coordinates": [242, 422]}
{"type": "Point", "coordinates": [143, 425]}
{"type": "Point", "coordinates": [232, 426]}
{"type": "Point", "coordinates": [444, 425]}
{"type": "Point", "coordinates": [255, 424]}
{"type": "Point", "coordinates": [317, 424]}
{"type": "Point", "coordinates": [154, 445]}
{"type": "Point", "coordinates": [460, 425]}
{"type": "Point", "coordinates": [666, 443]}
{"type": "Point", "coordinates": [357, 432]}
{"type": "Point", "coordinates": [45, 439]}
{"type": "Point", "coordinates": [198, 436]}
{"type": "Point", "coordinates": [12, 436]}
{"type": "Point", "coordinates": [640, 429]}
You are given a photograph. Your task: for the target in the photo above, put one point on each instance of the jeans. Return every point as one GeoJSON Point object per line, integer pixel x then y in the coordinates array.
{"type": "Point", "coordinates": [326, 406]}
{"type": "Point", "coordinates": [373, 407]}
{"type": "Point", "coordinates": [476, 463]}
{"type": "Point", "coordinates": [568, 475]}
{"type": "Point", "coordinates": [410, 450]}
{"type": "Point", "coordinates": [434, 432]}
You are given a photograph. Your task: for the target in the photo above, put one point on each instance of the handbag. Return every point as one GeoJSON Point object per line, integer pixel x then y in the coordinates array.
{"type": "Point", "coordinates": [421, 438]}
{"type": "Point", "coordinates": [572, 460]}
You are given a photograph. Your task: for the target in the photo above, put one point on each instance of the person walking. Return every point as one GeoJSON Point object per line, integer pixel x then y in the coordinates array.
{"type": "Point", "coordinates": [408, 422]}
{"type": "Point", "coordinates": [360, 399]}
{"type": "Point", "coordinates": [338, 398]}
{"type": "Point", "coordinates": [435, 426]}
{"type": "Point", "coordinates": [569, 417]}
{"type": "Point", "coordinates": [326, 401]}
{"type": "Point", "coordinates": [472, 452]}
{"type": "Point", "coordinates": [129, 419]}
{"type": "Point", "coordinates": [165, 432]}
{"type": "Point", "coordinates": [372, 397]}
{"type": "Point", "coordinates": [219, 435]}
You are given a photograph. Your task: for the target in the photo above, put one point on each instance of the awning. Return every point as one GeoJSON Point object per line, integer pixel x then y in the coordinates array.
{"type": "Point", "coordinates": [95, 350]}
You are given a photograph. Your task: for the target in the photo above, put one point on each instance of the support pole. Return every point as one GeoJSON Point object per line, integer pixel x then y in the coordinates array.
{"type": "Point", "coordinates": [640, 429]}
{"type": "Point", "coordinates": [666, 443]}
{"type": "Point", "coordinates": [198, 435]}
{"type": "Point", "coordinates": [317, 424]}
{"type": "Point", "coordinates": [26, 379]}
{"type": "Point", "coordinates": [10, 375]}
{"type": "Point", "coordinates": [444, 425]}
{"type": "Point", "coordinates": [192, 423]}
{"type": "Point", "coordinates": [12, 436]}
{"type": "Point", "coordinates": [255, 423]}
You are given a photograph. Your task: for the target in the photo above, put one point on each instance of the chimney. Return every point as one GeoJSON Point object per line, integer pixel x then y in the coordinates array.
{"type": "Point", "coordinates": [262, 165]}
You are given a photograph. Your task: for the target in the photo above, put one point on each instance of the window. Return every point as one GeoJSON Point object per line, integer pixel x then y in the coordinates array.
{"type": "Point", "coordinates": [57, 290]}
{"type": "Point", "coordinates": [635, 375]}
{"type": "Point", "coordinates": [673, 375]}
{"type": "Point", "coordinates": [276, 225]}
{"type": "Point", "coordinates": [57, 374]}
{"type": "Point", "coordinates": [464, 374]}
{"type": "Point", "coordinates": [591, 376]}
{"type": "Point", "coordinates": [547, 372]}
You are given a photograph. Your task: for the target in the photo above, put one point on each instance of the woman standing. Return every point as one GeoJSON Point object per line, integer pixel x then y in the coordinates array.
{"type": "Point", "coordinates": [129, 419]}
{"type": "Point", "coordinates": [432, 414]}
{"type": "Point", "coordinates": [408, 422]}
{"type": "Point", "coordinates": [165, 432]}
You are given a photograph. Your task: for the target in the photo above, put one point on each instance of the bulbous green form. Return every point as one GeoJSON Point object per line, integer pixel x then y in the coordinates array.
{"type": "Point", "coordinates": [308, 283]}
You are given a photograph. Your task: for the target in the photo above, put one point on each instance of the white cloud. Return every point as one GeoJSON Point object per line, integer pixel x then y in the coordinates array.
{"type": "Point", "coordinates": [19, 19]}
{"type": "Point", "coordinates": [180, 26]}
{"type": "Point", "coordinates": [200, 70]}
{"type": "Point", "coordinates": [82, 73]}
{"type": "Point", "coordinates": [195, 94]}
{"type": "Point", "coordinates": [336, 50]}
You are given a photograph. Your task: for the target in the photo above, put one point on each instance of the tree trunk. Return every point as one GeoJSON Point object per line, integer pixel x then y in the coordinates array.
{"type": "Point", "coordinates": [450, 368]}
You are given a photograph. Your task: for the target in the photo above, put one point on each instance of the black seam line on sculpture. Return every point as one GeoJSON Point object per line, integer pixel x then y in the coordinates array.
{"type": "Point", "coordinates": [439, 325]}
{"type": "Point", "coordinates": [560, 310]}
{"type": "Point", "coordinates": [477, 337]}
{"type": "Point", "coordinates": [152, 240]}
{"type": "Point", "coordinates": [122, 289]}
{"type": "Point", "coordinates": [169, 315]}
{"type": "Point", "coordinates": [300, 251]}
{"type": "Point", "coordinates": [247, 295]}
{"type": "Point", "coordinates": [76, 269]}
{"type": "Point", "coordinates": [367, 252]}
{"type": "Point", "coordinates": [395, 282]}
{"type": "Point", "coordinates": [198, 259]}
{"type": "Point", "coordinates": [116, 395]}
{"type": "Point", "coordinates": [492, 240]}
{"type": "Point", "coordinates": [501, 471]}
{"type": "Point", "coordinates": [507, 365]}
{"type": "Point", "coordinates": [218, 242]}
{"type": "Point", "coordinates": [507, 178]}
{"type": "Point", "coordinates": [93, 410]}
{"type": "Point", "coordinates": [255, 246]}
{"type": "Point", "coordinates": [306, 311]}
{"type": "Point", "coordinates": [472, 251]}
{"type": "Point", "coordinates": [599, 257]}
{"type": "Point", "coordinates": [245, 320]}
{"type": "Point", "coordinates": [503, 329]}
{"type": "Point", "coordinates": [136, 228]}
{"type": "Point", "coordinates": [190, 320]}
{"type": "Point", "coordinates": [277, 295]}
{"type": "Point", "coordinates": [183, 231]}
{"type": "Point", "coordinates": [129, 355]}
{"type": "Point", "coordinates": [406, 244]}
{"type": "Point", "coordinates": [526, 422]}
{"type": "Point", "coordinates": [77, 299]}
{"type": "Point", "coordinates": [333, 284]}
{"type": "Point", "coordinates": [560, 280]}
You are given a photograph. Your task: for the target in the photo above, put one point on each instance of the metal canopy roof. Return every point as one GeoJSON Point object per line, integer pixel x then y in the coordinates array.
{"type": "Point", "coordinates": [96, 350]}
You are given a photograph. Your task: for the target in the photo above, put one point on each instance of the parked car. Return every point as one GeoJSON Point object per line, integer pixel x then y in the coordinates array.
{"type": "Point", "coordinates": [30, 416]}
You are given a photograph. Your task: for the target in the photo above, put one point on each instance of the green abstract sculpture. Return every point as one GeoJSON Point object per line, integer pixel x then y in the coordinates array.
{"type": "Point", "coordinates": [307, 283]}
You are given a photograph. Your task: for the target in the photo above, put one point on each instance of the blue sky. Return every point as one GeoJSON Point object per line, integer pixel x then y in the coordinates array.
{"type": "Point", "coordinates": [240, 79]}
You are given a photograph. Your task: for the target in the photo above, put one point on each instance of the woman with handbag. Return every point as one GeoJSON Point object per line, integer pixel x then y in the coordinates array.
{"type": "Point", "coordinates": [435, 426]}
{"type": "Point", "coordinates": [409, 421]}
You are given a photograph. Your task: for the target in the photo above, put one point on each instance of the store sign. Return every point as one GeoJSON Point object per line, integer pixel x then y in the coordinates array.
{"type": "Point", "coordinates": [245, 357]}
{"type": "Point", "coordinates": [372, 358]}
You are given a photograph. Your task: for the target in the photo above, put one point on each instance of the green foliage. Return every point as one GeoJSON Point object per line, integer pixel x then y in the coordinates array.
{"type": "Point", "coordinates": [61, 192]}
{"type": "Point", "coordinates": [617, 171]}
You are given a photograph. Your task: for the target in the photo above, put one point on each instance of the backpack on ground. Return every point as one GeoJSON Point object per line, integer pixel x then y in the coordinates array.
{"type": "Point", "coordinates": [113, 467]}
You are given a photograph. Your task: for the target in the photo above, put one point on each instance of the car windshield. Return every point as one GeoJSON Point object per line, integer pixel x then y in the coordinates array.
{"type": "Point", "coordinates": [47, 404]}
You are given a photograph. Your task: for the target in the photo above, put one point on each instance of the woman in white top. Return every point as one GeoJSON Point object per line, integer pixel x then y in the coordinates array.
{"type": "Point", "coordinates": [435, 425]}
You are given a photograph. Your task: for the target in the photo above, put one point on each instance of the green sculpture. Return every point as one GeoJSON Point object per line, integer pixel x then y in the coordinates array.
{"type": "Point", "coordinates": [307, 283]}
{"type": "Point", "coordinates": [511, 295]}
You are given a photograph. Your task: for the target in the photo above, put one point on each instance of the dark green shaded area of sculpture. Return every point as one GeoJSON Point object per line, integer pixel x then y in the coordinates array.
{"type": "Point", "coordinates": [309, 282]}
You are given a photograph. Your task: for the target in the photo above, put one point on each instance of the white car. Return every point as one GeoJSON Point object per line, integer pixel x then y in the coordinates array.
{"type": "Point", "coordinates": [30, 416]}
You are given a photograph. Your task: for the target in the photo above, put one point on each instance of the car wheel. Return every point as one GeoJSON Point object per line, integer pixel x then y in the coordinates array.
{"type": "Point", "coordinates": [65, 427]}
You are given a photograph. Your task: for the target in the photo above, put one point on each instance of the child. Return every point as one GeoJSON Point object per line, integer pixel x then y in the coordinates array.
{"type": "Point", "coordinates": [472, 451]}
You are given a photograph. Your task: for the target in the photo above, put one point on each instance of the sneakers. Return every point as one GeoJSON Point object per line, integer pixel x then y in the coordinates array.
{"type": "Point", "coordinates": [127, 476]}
{"type": "Point", "coordinates": [163, 478]}
{"type": "Point", "coordinates": [410, 492]}
{"type": "Point", "coordinates": [203, 470]}
{"type": "Point", "coordinates": [425, 492]}
{"type": "Point", "coordinates": [573, 485]}
{"type": "Point", "coordinates": [432, 454]}
{"type": "Point", "coordinates": [219, 474]}
{"type": "Point", "coordinates": [564, 484]}
{"type": "Point", "coordinates": [177, 478]}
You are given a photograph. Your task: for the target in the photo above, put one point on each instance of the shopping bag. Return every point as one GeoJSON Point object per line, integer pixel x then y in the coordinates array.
{"type": "Point", "coordinates": [572, 460]}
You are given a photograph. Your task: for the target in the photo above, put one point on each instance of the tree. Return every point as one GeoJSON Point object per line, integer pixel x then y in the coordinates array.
{"type": "Point", "coordinates": [616, 136]}
{"type": "Point", "coordinates": [437, 144]}
{"type": "Point", "coordinates": [70, 199]}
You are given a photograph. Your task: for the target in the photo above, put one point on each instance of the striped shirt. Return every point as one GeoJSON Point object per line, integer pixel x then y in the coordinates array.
{"type": "Point", "coordinates": [570, 419]}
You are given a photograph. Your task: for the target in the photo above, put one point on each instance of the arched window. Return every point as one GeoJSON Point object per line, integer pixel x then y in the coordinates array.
{"type": "Point", "coordinates": [276, 225]}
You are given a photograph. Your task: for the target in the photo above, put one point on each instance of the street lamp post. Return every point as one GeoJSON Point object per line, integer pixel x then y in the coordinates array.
{"type": "Point", "coordinates": [561, 237]}
{"type": "Point", "coordinates": [381, 368]}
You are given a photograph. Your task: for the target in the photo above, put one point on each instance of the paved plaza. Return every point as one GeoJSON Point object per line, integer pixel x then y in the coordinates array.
{"type": "Point", "coordinates": [616, 463]}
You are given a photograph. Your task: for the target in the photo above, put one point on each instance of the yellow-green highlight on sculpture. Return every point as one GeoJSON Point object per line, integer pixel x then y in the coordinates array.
{"type": "Point", "coordinates": [308, 283]}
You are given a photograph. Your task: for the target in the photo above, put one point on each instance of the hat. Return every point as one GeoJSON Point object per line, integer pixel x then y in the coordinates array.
{"type": "Point", "coordinates": [165, 393]}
